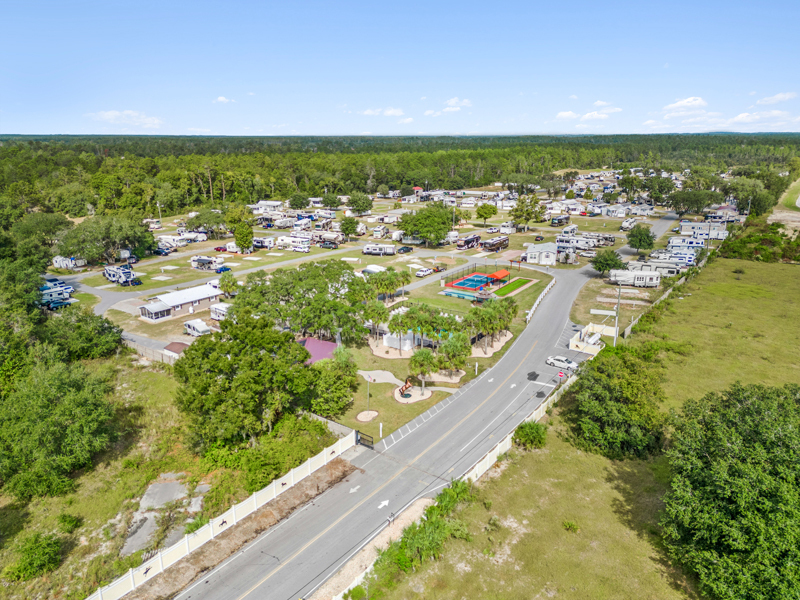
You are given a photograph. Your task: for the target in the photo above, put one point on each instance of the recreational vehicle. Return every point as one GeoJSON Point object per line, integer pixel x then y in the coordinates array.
{"type": "Point", "coordinates": [469, 242]}
{"type": "Point", "coordinates": [636, 278]}
{"type": "Point", "coordinates": [264, 242]}
{"type": "Point", "coordinates": [667, 269]}
{"type": "Point", "coordinates": [495, 244]}
{"type": "Point", "coordinates": [451, 237]}
{"type": "Point", "coordinates": [196, 328]}
{"type": "Point", "coordinates": [570, 230]}
{"type": "Point", "coordinates": [559, 221]}
{"type": "Point", "coordinates": [361, 229]}
{"type": "Point", "coordinates": [378, 249]}
{"type": "Point", "coordinates": [627, 224]}
{"type": "Point", "coordinates": [379, 232]}
{"type": "Point", "coordinates": [206, 263]}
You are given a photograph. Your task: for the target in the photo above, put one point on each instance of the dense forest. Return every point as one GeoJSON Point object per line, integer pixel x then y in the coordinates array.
{"type": "Point", "coordinates": [81, 175]}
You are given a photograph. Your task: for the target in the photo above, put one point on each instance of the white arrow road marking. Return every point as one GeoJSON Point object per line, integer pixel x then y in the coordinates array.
{"type": "Point", "coordinates": [513, 385]}
{"type": "Point", "coordinates": [491, 380]}
{"type": "Point", "coordinates": [355, 489]}
{"type": "Point", "coordinates": [384, 503]}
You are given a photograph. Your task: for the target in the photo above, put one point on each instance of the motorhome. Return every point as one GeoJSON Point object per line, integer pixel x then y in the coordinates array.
{"type": "Point", "coordinates": [330, 236]}
{"type": "Point", "coordinates": [686, 242]}
{"type": "Point", "coordinates": [303, 225]}
{"type": "Point", "coordinates": [361, 229]}
{"type": "Point", "coordinates": [451, 237]}
{"type": "Point", "coordinates": [54, 294]}
{"type": "Point", "coordinates": [495, 244]}
{"type": "Point", "coordinates": [636, 278]}
{"type": "Point", "coordinates": [559, 221]}
{"type": "Point", "coordinates": [397, 236]}
{"type": "Point", "coordinates": [174, 240]}
{"type": "Point", "coordinates": [325, 214]}
{"type": "Point", "coordinates": [206, 263]}
{"type": "Point", "coordinates": [667, 269]}
{"type": "Point", "coordinates": [468, 242]}
{"type": "Point", "coordinates": [284, 222]}
{"type": "Point", "coordinates": [389, 219]}
{"type": "Point", "coordinates": [570, 230]}
{"type": "Point", "coordinates": [378, 249]}
{"type": "Point", "coordinates": [379, 232]}
{"type": "Point", "coordinates": [627, 224]}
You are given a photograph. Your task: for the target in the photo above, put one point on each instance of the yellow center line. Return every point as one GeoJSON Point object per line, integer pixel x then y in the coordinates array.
{"type": "Point", "coordinates": [395, 476]}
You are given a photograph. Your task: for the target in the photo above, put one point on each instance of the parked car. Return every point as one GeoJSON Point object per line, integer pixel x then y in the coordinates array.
{"type": "Point", "coordinates": [538, 238]}
{"type": "Point", "coordinates": [161, 252]}
{"type": "Point", "coordinates": [493, 230]}
{"type": "Point", "coordinates": [131, 282]}
{"type": "Point", "coordinates": [424, 272]}
{"type": "Point", "coordinates": [583, 214]}
{"type": "Point", "coordinates": [329, 245]}
{"type": "Point", "coordinates": [404, 249]}
{"type": "Point", "coordinates": [220, 249]}
{"type": "Point", "coordinates": [53, 282]}
{"type": "Point", "coordinates": [133, 259]}
{"type": "Point", "coordinates": [562, 362]}
{"type": "Point", "coordinates": [65, 288]}
{"type": "Point", "coordinates": [588, 254]}
{"type": "Point", "coordinates": [305, 249]}
{"type": "Point", "coordinates": [439, 269]}
{"type": "Point", "coordinates": [57, 304]}
{"type": "Point", "coordinates": [676, 229]}
{"type": "Point", "coordinates": [223, 269]}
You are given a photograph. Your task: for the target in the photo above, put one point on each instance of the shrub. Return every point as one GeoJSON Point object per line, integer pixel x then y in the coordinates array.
{"type": "Point", "coordinates": [68, 523]}
{"type": "Point", "coordinates": [531, 435]}
{"type": "Point", "coordinates": [570, 526]}
{"type": "Point", "coordinates": [199, 522]}
{"type": "Point", "coordinates": [39, 554]}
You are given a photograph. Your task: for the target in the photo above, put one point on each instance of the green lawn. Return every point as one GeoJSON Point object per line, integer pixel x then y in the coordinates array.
{"type": "Point", "coordinates": [85, 299]}
{"type": "Point", "coordinates": [615, 553]}
{"type": "Point", "coordinates": [738, 329]}
{"type": "Point", "coordinates": [169, 330]}
{"type": "Point", "coordinates": [790, 196]}
{"type": "Point", "coordinates": [510, 287]}
{"type": "Point", "coordinates": [391, 413]}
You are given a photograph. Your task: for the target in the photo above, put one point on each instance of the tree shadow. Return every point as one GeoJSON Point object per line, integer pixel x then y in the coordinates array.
{"type": "Point", "coordinates": [641, 485]}
{"type": "Point", "coordinates": [13, 519]}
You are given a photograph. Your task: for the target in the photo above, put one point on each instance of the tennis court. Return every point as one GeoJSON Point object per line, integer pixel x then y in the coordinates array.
{"type": "Point", "coordinates": [477, 280]}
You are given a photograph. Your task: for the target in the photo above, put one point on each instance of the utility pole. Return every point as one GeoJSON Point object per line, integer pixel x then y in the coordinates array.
{"type": "Point", "coordinates": [616, 318]}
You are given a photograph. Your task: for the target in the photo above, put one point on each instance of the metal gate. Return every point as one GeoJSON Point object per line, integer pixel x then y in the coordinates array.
{"type": "Point", "coordinates": [364, 439]}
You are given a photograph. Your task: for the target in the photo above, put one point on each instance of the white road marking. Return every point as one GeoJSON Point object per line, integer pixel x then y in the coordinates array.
{"type": "Point", "coordinates": [355, 489]}
{"type": "Point", "coordinates": [491, 380]}
{"type": "Point", "coordinates": [513, 385]}
{"type": "Point", "coordinates": [382, 504]}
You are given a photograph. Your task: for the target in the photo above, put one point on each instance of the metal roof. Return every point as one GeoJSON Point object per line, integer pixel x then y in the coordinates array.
{"type": "Point", "coordinates": [194, 294]}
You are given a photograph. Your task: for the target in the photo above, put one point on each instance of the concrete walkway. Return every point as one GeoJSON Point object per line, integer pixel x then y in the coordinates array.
{"type": "Point", "coordinates": [388, 377]}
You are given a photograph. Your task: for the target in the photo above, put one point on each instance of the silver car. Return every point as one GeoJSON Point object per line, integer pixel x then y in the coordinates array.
{"type": "Point", "coordinates": [562, 362]}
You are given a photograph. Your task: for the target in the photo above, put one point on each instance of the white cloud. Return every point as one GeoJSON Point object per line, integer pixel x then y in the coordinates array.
{"type": "Point", "coordinates": [424, 98]}
{"type": "Point", "coordinates": [691, 102]}
{"type": "Point", "coordinates": [432, 113]}
{"type": "Point", "coordinates": [393, 112]}
{"type": "Point", "coordinates": [127, 117]}
{"type": "Point", "coordinates": [198, 130]}
{"type": "Point", "coordinates": [601, 103]}
{"type": "Point", "coordinates": [223, 100]}
{"type": "Point", "coordinates": [372, 111]}
{"type": "Point", "coordinates": [651, 122]}
{"type": "Point", "coordinates": [610, 109]}
{"type": "Point", "coordinates": [251, 93]}
{"type": "Point", "coordinates": [759, 116]}
{"type": "Point", "coordinates": [684, 113]}
{"type": "Point", "coordinates": [581, 126]}
{"type": "Point", "coordinates": [593, 116]}
{"type": "Point", "coordinates": [456, 102]}
{"type": "Point", "coordinates": [573, 97]}
{"type": "Point", "coordinates": [782, 97]}
{"type": "Point", "coordinates": [566, 115]}
{"type": "Point", "coordinates": [406, 120]}
{"type": "Point", "coordinates": [452, 109]}
{"type": "Point", "coordinates": [752, 93]}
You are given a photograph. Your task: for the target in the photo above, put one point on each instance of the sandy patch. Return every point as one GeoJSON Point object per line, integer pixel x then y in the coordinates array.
{"type": "Point", "coordinates": [478, 351]}
{"type": "Point", "coordinates": [378, 349]}
{"type": "Point", "coordinates": [210, 554]}
{"type": "Point", "coordinates": [366, 416]}
{"type": "Point", "coordinates": [625, 301]}
{"type": "Point", "coordinates": [415, 393]}
{"type": "Point", "coordinates": [445, 377]}
{"type": "Point", "coordinates": [364, 559]}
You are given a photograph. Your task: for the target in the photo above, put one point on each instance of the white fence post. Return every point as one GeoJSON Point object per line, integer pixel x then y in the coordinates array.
{"type": "Point", "coordinates": [234, 514]}
{"type": "Point", "coordinates": [186, 540]}
{"type": "Point", "coordinates": [160, 561]}
{"type": "Point", "coordinates": [133, 581]}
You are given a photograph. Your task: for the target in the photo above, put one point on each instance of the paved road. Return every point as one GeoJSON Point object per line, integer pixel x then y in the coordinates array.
{"type": "Point", "coordinates": [293, 559]}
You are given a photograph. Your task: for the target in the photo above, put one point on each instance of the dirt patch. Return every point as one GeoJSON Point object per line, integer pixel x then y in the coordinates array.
{"type": "Point", "coordinates": [789, 218]}
{"type": "Point", "coordinates": [477, 349]}
{"type": "Point", "coordinates": [209, 555]}
{"type": "Point", "coordinates": [445, 377]}
{"type": "Point", "coordinates": [364, 559]}
{"type": "Point", "coordinates": [415, 394]}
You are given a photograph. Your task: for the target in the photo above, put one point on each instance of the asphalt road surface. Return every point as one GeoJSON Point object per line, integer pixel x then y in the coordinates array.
{"type": "Point", "coordinates": [295, 557]}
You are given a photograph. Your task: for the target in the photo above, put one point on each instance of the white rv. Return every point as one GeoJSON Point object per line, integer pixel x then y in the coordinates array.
{"type": "Point", "coordinates": [206, 262]}
{"type": "Point", "coordinates": [361, 229]}
{"type": "Point", "coordinates": [378, 249]}
{"type": "Point", "coordinates": [636, 278]}
{"type": "Point", "coordinates": [379, 232]}
{"type": "Point", "coordinates": [264, 242]}
{"type": "Point", "coordinates": [196, 328]}
{"type": "Point", "coordinates": [627, 224]}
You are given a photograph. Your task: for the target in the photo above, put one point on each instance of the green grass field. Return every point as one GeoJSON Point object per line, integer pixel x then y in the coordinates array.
{"type": "Point", "coordinates": [791, 196]}
{"type": "Point", "coordinates": [510, 287]}
{"type": "Point", "coordinates": [739, 329]}
{"type": "Point", "coordinates": [615, 553]}
{"type": "Point", "coordinates": [85, 299]}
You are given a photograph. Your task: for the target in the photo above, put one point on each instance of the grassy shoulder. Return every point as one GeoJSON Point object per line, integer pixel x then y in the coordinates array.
{"type": "Point", "coordinates": [558, 522]}
{"type": "Point", "coordinates": [791, 196]}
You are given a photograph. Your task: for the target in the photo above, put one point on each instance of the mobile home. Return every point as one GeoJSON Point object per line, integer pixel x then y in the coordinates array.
{"type": "Point", "coordinates": [636, 278]}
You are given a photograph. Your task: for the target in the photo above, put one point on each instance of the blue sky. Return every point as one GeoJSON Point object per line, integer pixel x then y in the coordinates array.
{"type": "Point", "coordinates": [436, 67]}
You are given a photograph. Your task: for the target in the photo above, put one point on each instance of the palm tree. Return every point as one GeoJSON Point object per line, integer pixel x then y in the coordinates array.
{"type": "Point", "coordinates": [404, 278]}
{"type": "Point", "coordinates": [422, 362]}
{"type": "Point", "coordinates": [398, 326]}
{"type": "Point", "coordinates": [377, 313]}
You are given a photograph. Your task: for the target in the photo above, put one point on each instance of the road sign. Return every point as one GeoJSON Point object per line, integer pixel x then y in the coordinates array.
{"type": "Point", "coordinates": [608, 313]}
{"type": "Point", "coordinates": [561, 374]}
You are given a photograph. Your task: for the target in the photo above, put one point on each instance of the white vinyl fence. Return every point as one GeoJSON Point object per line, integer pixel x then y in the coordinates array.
{"type": "Point", "coordinates": [168, 557]}
{"type": "Point", "coordinates": [529, 314]}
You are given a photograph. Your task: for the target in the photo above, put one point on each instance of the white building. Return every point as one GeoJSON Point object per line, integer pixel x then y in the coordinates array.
{"type": "Point", "coordinates": [542, 254]}
{"type": "Point", "coordinates": [182, 302]}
